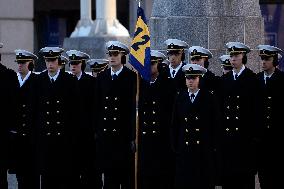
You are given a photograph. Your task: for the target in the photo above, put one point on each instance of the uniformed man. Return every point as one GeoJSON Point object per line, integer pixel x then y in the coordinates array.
{"type": "Point", "coordinates": [195, 118]}
{"type": "Point", "coordinates": [57, 122]}
{"type": "Point", "coordinates": [199, 55]}
{"type": "Point", "coordinates": [8, 85]}
{"type": "Point", "coordinates": [23, 135]}
{"type": "Point", "coordinates": [271, 80]}
{"type": "Point", "coordinates": [86, 132]}
{"type": "Point", "coordinates": [237, 136]}
{"type": "Point", "coordinates": [116, 87]}
{"type": "Point", "coordinates": [154, 129]}
{"type": "Point", "coordinates": [225, 63]}
{"type": "Point", "coordinates": [176, 55]}
{"type": "Point", "coordinates": [97, 65]}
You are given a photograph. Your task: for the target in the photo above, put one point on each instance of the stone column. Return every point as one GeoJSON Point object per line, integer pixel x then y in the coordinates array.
{"type": "Point", "coordinates": [84, 26]}
{"type": "Point", "coordinates": [16, 28]}
{"type": "Point", "coordinates": [209, 23]}
{"type": "Point", "coordinates": [106, 23]}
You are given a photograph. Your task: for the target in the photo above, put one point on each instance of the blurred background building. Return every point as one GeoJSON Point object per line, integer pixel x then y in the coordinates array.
{"type": "Point", "coordinates": [33, 24]}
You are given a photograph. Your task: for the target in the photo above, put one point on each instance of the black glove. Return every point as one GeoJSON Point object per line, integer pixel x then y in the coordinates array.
{"type": "Point", "coordinates": [132, 146]}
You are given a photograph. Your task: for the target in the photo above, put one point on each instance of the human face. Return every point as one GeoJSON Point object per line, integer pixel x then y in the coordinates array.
{"type": "Point", "coordinates": [192, 83]}
{"type": "Point", "coordinates": [154, 68]}
{"type": "Point", "coordinates": [198, 60]}
{"type": "Point", "coordinates": [52, 65]}
{"type": "Point", "coordinates": [114, 58]}
{"type": "Point", "coordinates": [267, 63]}
{"type": "Point", "coordinates": [76, 68]}
{"type": "Point", "coordinates": [175, 57]}
{"type": "Point", "coordinates": [23, 67]}
{"type": "Point", "coordinates": [237, 60]}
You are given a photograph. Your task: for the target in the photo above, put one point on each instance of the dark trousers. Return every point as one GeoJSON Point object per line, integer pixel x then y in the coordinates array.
{"type": "Point", "coordinates": [3, 178]}
{"type": "Point", "coordinates": [161, 181]}
{"type": "Point", "coordinates": [52, 181]}
{"type": "Point", "coordinates": [242, 181]}
{"type": "Point", "coordinates": [28, 181]}
{"type": "Point", "coordinates": [91, 180]}
{"type": "Point", "coordinates": [268, 179]}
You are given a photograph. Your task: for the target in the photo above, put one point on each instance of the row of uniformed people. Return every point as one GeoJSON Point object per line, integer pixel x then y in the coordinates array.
{"type": "Point", "coordinates": [116, 138]}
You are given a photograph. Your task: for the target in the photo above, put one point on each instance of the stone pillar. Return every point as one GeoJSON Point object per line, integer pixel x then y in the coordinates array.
{"type": "Point", "coordinates": [84, 26]}
{"type": "Point", "coordinates": [16, 28]}
{"type": "Point", "coordinates": [106, 23]}
{"type": "Point", "coordinates": [209, 23]}
{"type": "Point", "coordinates": [106, 27]}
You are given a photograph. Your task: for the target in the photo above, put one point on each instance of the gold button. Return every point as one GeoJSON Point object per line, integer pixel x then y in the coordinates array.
{"type": "Point", "coordinates": [114, 130]}
{"type": "Point", "coordinates": [58, 122]}
{"type": "Point", "coordinates": [23, 124]}
{"type": "Point", "coordinates": [238, 96]}
{"type": "Point", "coordinates": [24, 134]}
{"type": "Point", "coordinates": [269, 97]}
{"type": "Point", "coordinates": [186, 130]}
{"type": "Point", "coordinates": [186, 143]}
{"type": "Point", "coordinates": [154, 112]}
{"type": "Point", "coordinates": [268, 126]}
{"type": "Point", "coordinates": [47, 122]}
{"type": "Point", "coordinates": [145, 123]}
{"type": "Point", "coordinates": [237, 117]}
{"type": "Point", "coordinates": [196, 118]}
{"type": "Point", "coordinates": [144, 133]}
{"type": "Point", "coordinates": [24, 105]}
{"type": "Point", "coordinates": [48, 134]}
{"type": "Point", "coordinates": [185, 118]}
{"type": "Point", "coordinates": [228, 117]}
{"type": "Point", "coordinates": [154, 132]}
{"type": "Point", "coordinates": [154, 122]}
{"type": "Point", "coordinates": [228, 107]}
{"type": "Point", "coordinates": [105, 129]}
{"type": "Point", "coordinates": [227, 129]}
{"type": "Point", "coordinates": [197, 129]}
{"type": "Point", "coordinates": [58, 134]}
{"type": "Point", "coordinates": [57, 101]}
{"type": "Point", "coordinates": [57, 112]}
{"type": "Point", "coordinates": [144, 113]}
{"type": "Point", "coordinates": [238, 107]}
{"type": "Point", "coordinates": [115, 108]}
{"type": "Point", "coordinates": [237, 128]}
{"type": "Point", "coordinates": [197, 142]}
{"type": "Point", "coordinates": [268, 117]}
{"type": "Point", "coordinates": [268, 107]}
{"type": "Point", "coordinates": [105, 118]}
{"type": "Point", "coordinates": [47, 113]}
{"type": "Point", "coordinates": [114, 118]}
{"type": "Point", "coordinates": [154, 102]}
{"type": "Point", "coordinates": [47, 102]}
{"type": "Point", "coordinates": [106, 97]}
{"type": "Point", "coordinates": [105, 108]}
{"type": "Point", "coordinates": [115, 98]}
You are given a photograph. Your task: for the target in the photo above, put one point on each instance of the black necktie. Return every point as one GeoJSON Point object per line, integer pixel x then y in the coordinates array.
{"type": "Point", "coordinates": [267, 79]}
{"type": "Point", "coordinates": [52, 80]}
{"type": "Point", "coordinates": [192, 96]}
{"type": "Point", "coordinates": [236, 76]}
{"type": "Point", "coordinates": [114, 77]}
{"type": "Point", "coordinates": [173, 73]}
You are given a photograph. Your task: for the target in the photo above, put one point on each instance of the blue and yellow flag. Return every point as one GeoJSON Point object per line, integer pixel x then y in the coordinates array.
{"type": "Point", "coordinates": [140, 53]}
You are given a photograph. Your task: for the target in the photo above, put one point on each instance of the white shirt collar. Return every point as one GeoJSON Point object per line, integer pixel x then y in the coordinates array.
{"type": "Point", "coordinates": [55, 76]}
{"type": "Point", "coordinates": [22, 81]}
{"type": "Point", "coordinates": [240, 72]}
{"type": "Point", "coordinates": [117, 72]}
{"type": "Point", "coordinates": [195, 94]}
{"type": "Point", "coordinates": [265, 76]}
{"type": "Point", "coordinates": [176, 69]}
{"type": "Point", "coordinates": [79, 77]}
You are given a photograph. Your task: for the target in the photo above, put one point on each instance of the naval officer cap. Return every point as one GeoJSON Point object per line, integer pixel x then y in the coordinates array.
{"type": "Point", "coordinates": [268, 50]}
{"type": "Point", "coordinates": [175, 45]}
{"type": "Point", "coordinates": [63, 59]}
{"type": "Point", "coordinates": [157, 56]}
{"type": "Point", "coordinates": [97, 64]}
{"type": "Point", "coordinates": [51, 52]}
{"type": "Point", "coordinates": [199, 52]}
{"type": "Point", "coordinates": [116, 47]}
{"type": "Point", "coordinates": [225, 62]}
{"type": "Point", "coordinates": [23, 56]}
{"type": "Point", "coordinates": [193, 70]}
{"type": "Point", "coordinates": [76, 57]}
{"type": "Point", "coordinates": [235, 48]}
